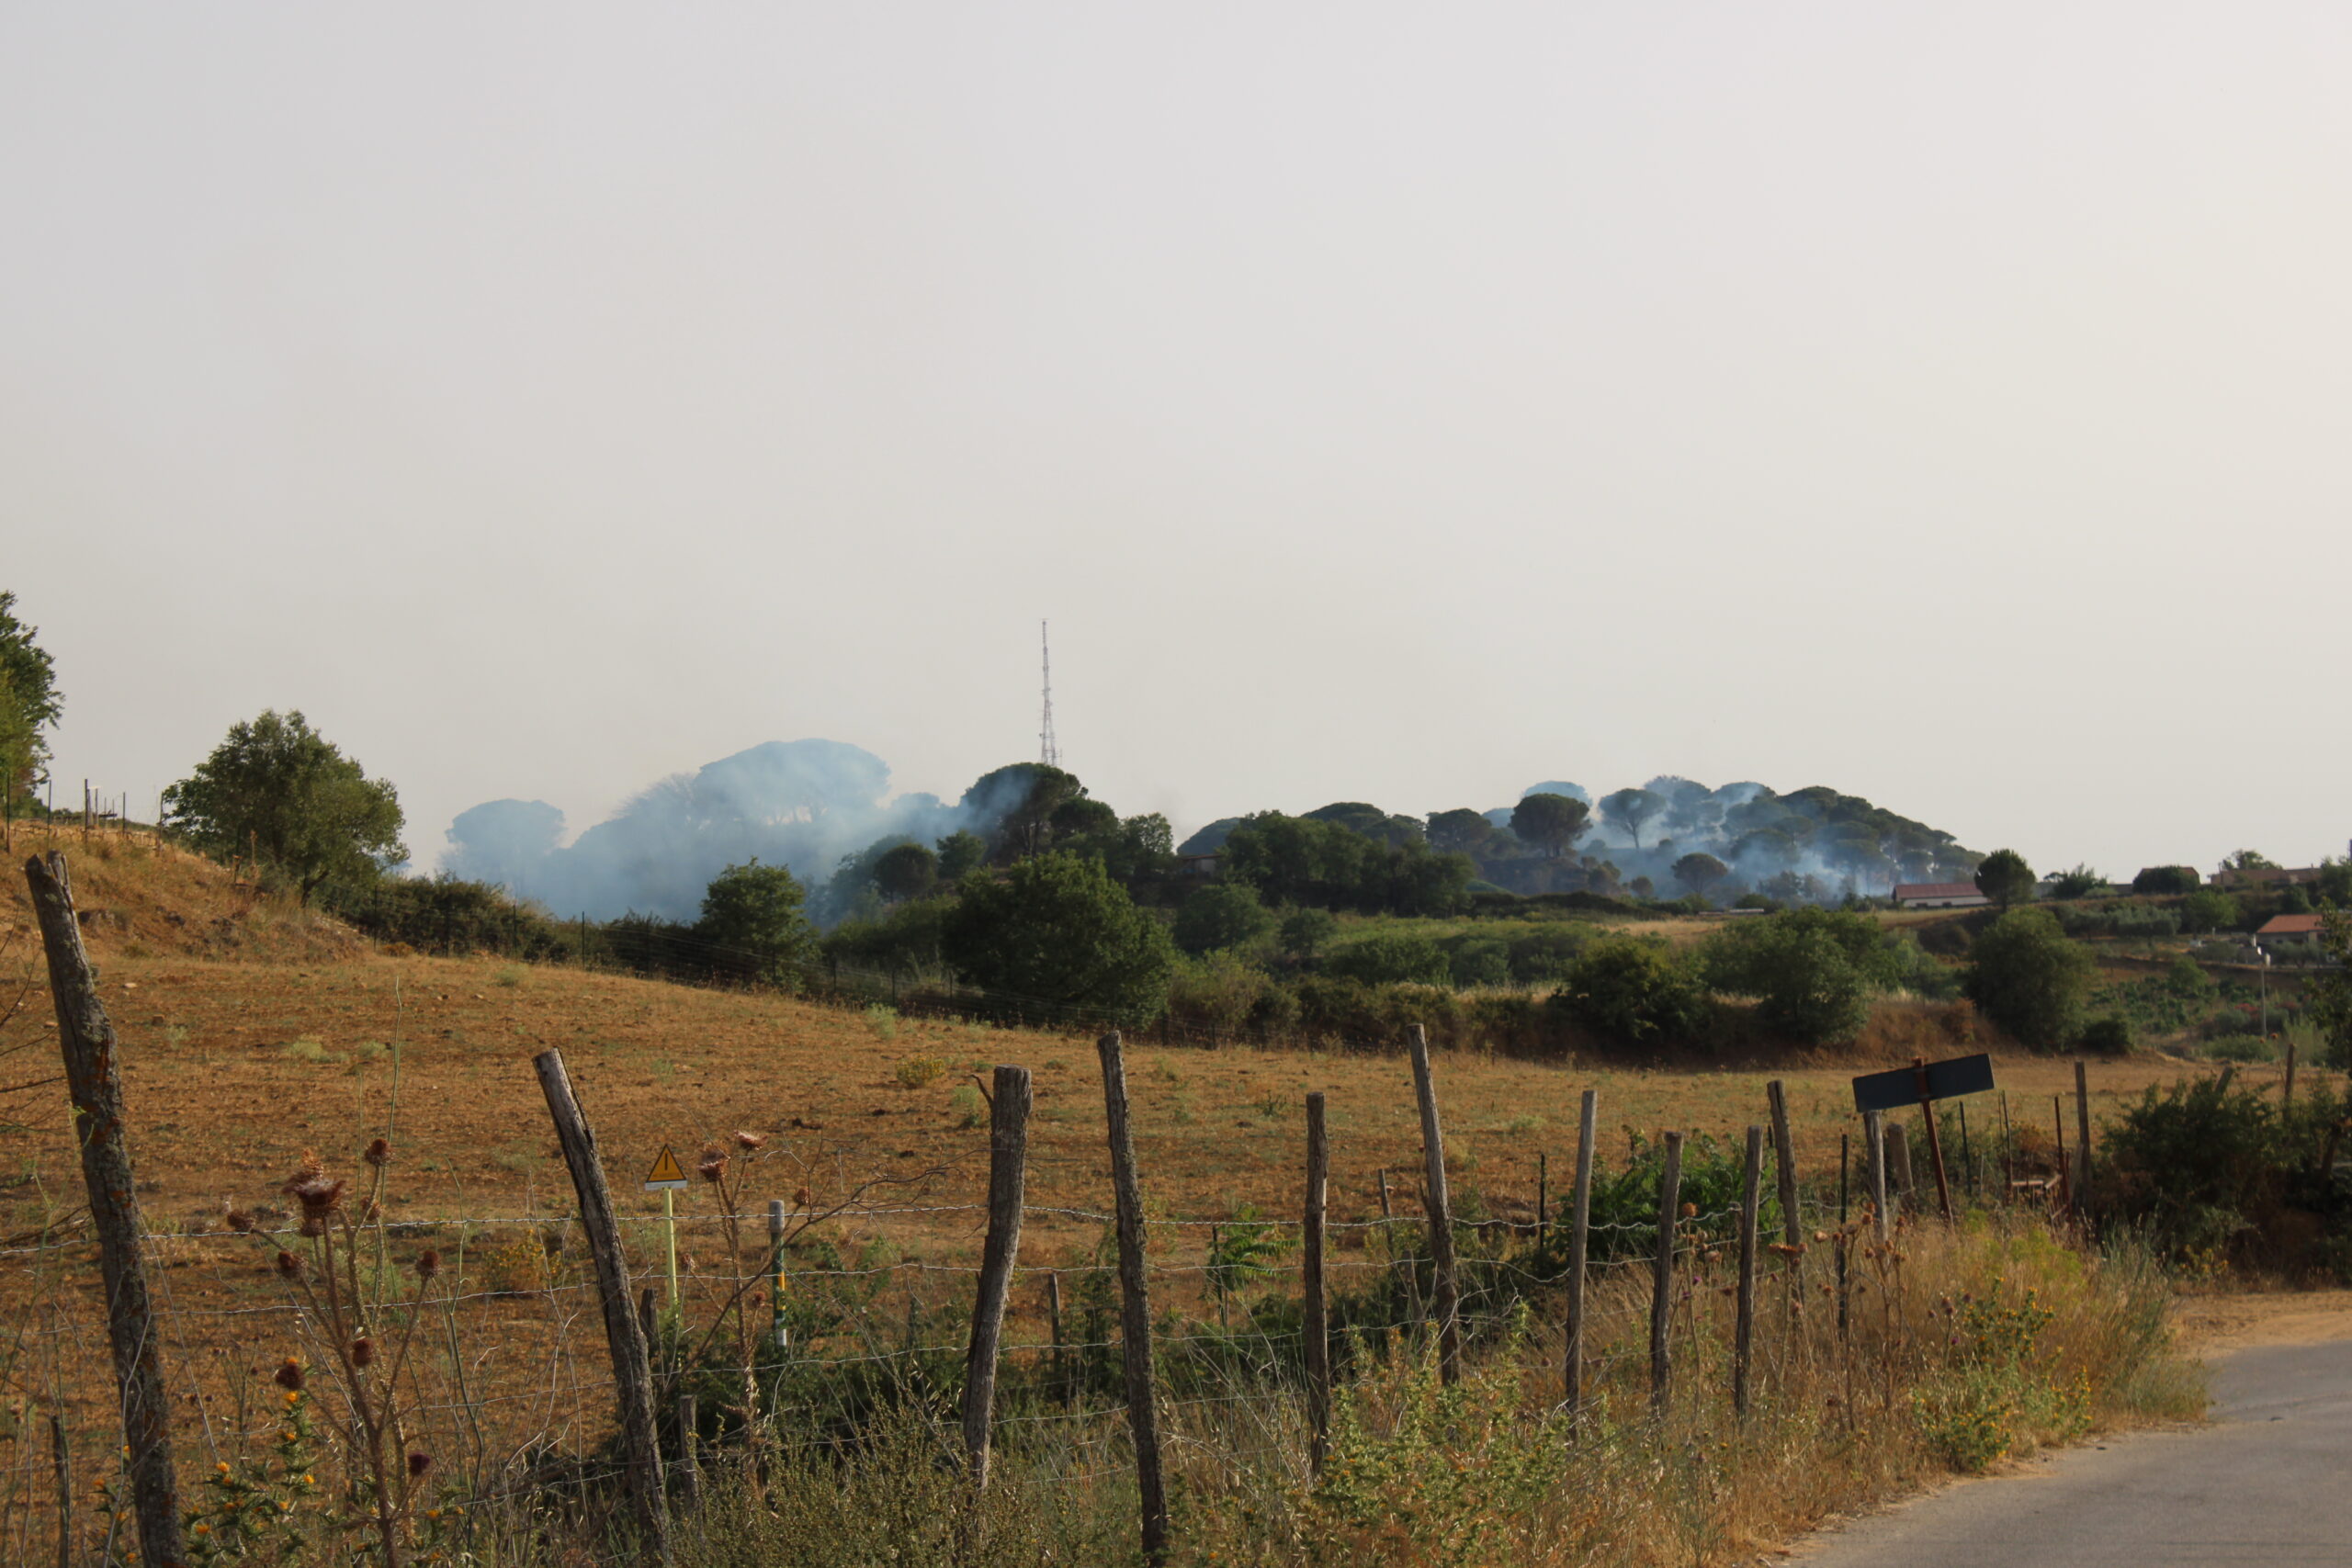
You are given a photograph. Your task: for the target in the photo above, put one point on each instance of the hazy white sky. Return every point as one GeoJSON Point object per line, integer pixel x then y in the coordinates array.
{"type": "Point", "coordinates": [1390, 402]}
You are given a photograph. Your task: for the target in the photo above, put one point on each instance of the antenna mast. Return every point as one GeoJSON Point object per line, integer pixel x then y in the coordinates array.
{"type": "Point", "coordinates": [1048, 751]}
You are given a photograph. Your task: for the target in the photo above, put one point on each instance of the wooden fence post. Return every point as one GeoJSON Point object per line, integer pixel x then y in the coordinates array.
{"type": "Point", "coordinates": [1581, 1226]}
{"type": "Point", "coordinates": [1008, 1180]}
{"type": "Point", "coordinates": [1845, 1169]}
{"type": "Point", "coordinates": [1440, 1212]}
{"type": "Point", "coordinates": [1899, 1171]}
{"type": "Point", "coordinates": [85, 1038]}
{"type": "Point", "coordinates": [1874, 1143]}
{"type": "Point", "coordinates": [1743, 1330]}
{"type": "Point", "coordinates": [641, 1469]}
{"type": "Point", "coordinates": [62, 1463]}
{"type": "Point", "coordinates": [2065, 1165]}
{"type": "Point", "coordinates": [1316, 1328]}
{"type": "Point", "coordinates": [1669, 1220]}
{"type": "Point", "coordinates": [1785, 1169]}
{"type": "Point", "coordinates": [689, 1462]}
{"type": "Point", "coordinates": [1543, 1195]}
{"type": "Point", "coordinates": [2082, 1139]}
{"type": "Point", "coordinates": [2286, 1096]}
{"type": "Point", "coordinates": [777, 1333]}
{"type": "Point", "coordinates": [1054, 1336]}
{"type": "Point", "coordinates": [1143, 1414]}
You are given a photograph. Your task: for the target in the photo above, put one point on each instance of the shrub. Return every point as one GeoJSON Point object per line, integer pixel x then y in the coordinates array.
{"type": "Point", "coordinates": [1223, 915]}
{"type": "Point", "coordinates": [1631, 991]}
{"type": "Point", "coordinates": [2165, 879]}
{"type": "Point", "coordinates": [1057, 931]}
{"type": "Point", "coordinates": [920, 1072]}
{"type": "Point", "coordinates": [753, 925]}
{"type": "Point", "coordinates": [2209, 909]}
{"type": "Point", "coordinates": [1305, 932]}
{"type": "Point", "coordinates": [2186, 979]}
{"type": "Point", "coordinates": [904, 941]}
{"type": "Point", "coordinates": [2241, 1048]}
{"type": "Point", "coordinates": [1391, 957]}
{"type": "Point", "coordinates": [2108, 1036]}
{"type": "Point", "coordinates": [2028, 977]}
{"type": "Point", "coordinates": [1225, 996]}
{"type": "Point", "coordinates": [1806, 969]}
{"type": "Point", "coordinates": [1480, 961]}
{"type": "Point", "coordinates": [1545, 956]}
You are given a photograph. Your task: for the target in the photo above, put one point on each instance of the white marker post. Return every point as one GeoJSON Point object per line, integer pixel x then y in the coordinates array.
{"type": "Point", "coordinates": [666, 1178]}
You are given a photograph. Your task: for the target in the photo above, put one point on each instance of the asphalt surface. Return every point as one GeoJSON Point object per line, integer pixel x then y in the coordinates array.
{"type": "Point", "coordinates": [2266, 1482]}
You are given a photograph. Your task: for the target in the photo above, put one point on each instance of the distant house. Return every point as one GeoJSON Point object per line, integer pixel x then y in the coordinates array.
{"type": "Point", "coordinates": [2267, 876]}
{"type": "Point", "coordinates": [1198, 866]}
{"type": "Point", "coordinates": [1939, 896]}
{"type": "Point", "coordinates": [2288, 928]}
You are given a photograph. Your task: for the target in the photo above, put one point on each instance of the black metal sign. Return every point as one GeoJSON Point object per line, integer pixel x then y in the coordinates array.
{"type": "Point", "coordinates": [1927, 1080]}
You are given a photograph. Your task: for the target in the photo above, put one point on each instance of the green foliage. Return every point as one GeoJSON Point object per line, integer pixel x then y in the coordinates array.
{"type": "Point", "coordinates": [2080, 882]}
{"type": "Point", "coordinates": [1699, 872]}
{"type": "Point", "coordinates": [903, 940]}
{"type": "Point", "coordinates": [447, 914]}
{"type": "Point", "coordinates": [1223, 915]}
{"type": "Point", "coordinates": [2210, 909]}
{"type": "Point", "coordinates": [753, 924]}
{"type": "Point", "coordinates": [2108, 1036]}
{"type": "Point", "coordinates": [1390, 957]}
{"type": "Point", "coordinates": [1305, 932]}
{"type": "Point", "coordinates": [30, 703]}
{"type": "Point", "coordinates": [2003, 877]}
{"type": "Point", "coordinates": [960, 854]}
{"type": "Point", "coordinates": [1551, 822]}
{"type": "Point", "coordinates": [1460, 832]}
{"type": "Point", "coordinates": [277, 789]}
{"type": "Point", "coordinates": [2186, 979]}
{"type": "Point", "coordinates": [1224, 997]}
{"type": "Point", "coordinates": [1631, 991]}
{"type": "Point", "coordinates": [1998, 1389]}
{"type": "Point", "coordinates": [1811, 970]}
{"type": "Point", "coordinates": [2165, 879]}
{"type": "Point", "coordinates": [906, 871]}
{"type": "Point", "coordinates": [2249, 860]}
{"type": "Point", "coordinates": [2330, 997]}
{"type": "Point", "coordinates": [2028, 978]}
{"type": "Point", "coordinates": [1058, 932]}
{"type": "Point", "coordinates": [1631, 809]}
{"type": "Point", "coordinates": [2241, 1048]}
{"type": "Point", "coordinates": [2193, 1162]}
{"type": "Point", "coordinates": [1298, 860]}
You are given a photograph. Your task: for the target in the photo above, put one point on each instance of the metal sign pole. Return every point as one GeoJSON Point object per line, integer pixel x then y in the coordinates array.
{"type": "Point", "coordinates": [1935, 1140]}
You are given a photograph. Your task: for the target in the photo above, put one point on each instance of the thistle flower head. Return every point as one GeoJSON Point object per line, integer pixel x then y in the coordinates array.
{"type": "Point", "coordinates": [379, 1153]}
{"type": "Point", "coordinates": [236, 1219]}
{"type": "Point", "coordinates": [419, 1461]}
{"type": "Point", "coordinates": [428, 1264]}
{"type": "Point", "coordinates": [319, 1193]}
{"type": "Point", "coordinates": [363, 1351]}
{"type": "Point", "coordinates": [288, 1266]}
{"type": "Point", "coordinates": [288, 1375]}
{"type": "Point", "coordinates": [712, 1166]}
{"type": "Point", "coordinates": [747, 1142]}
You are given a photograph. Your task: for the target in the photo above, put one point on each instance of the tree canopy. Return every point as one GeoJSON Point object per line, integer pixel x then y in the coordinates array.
{"type": "Point", "coordinates": [754, 924]}
{"type": "Point", "coordinates": [2030, 980]}
{"type": "Point", "coordinates": [1554, 822]}
{"type": "Point", "coordinates": [2003, 877]}
{"type": "Point", "coordinates": [1631, 809]}
{"type": "Point", "coordinates": [30, 703]}
{"type": "Point", "coordinates": [1057, 933]}
{"type": "Point", "coordinates": [276, 789]}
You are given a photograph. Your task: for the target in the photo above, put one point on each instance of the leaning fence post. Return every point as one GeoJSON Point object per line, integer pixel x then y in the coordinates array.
{"type": "Point", "coordinates": [1785, 1169]}
{"type": "Point", "coordinates": [1441, 1210]}
{"type": "Point", "coordinates": [1874, 1142]}
{"type": "Point", "coordinates": [2082, 1139]}
{"type": "Point", "coordinates": [777, 1332]}
{"type": "Point", "coordinates": [641, 1470]}
{"type": "Point", "coordinates": [1316, 1328]}
{"type": "Point", "coordinates": [85, 1038]}
{"type": "Point", "coordinates": [689, 1462]}
{"type": "Point", "coordinates": [1899, 1173]}
{"type": "Point", "coordinates": [1135, 1302]}
{"type": "Point", "coordinates": [1007, 1168]}
{"type": "Point", "coordinates": [1580, 1227]}
{"type": "Point", "coordinates": [1054, 1336]}
{"type": "Point", "coordinates": [1670, 1218]}
{"type": "Point", "coordinates": [1743, 1331]}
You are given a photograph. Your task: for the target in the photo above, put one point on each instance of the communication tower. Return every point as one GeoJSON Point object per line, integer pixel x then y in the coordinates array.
{"type": "Point", "coordinates": [1048, 751]}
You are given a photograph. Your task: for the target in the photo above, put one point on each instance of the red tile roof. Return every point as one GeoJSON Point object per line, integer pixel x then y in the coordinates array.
{"type": "Point", "coordinates": [2290, 925]}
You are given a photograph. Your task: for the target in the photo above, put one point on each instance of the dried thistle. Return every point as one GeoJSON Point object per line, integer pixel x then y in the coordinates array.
{"type": "Point", "coordinates": [288, 1375]}
{"type": "Point", "coordinates": [320, 1194]}
{"type": "Point", "coordinates": [290, 1265]}
{"type": "Point", "coordinates": [236, 1219]}
{"type": "Point", "coordinates": [363, 1351]}
{"type": "Point", "coordinates": [379, 1153]}
{"type": "Point", "coordinates": [428, 1264]}
{"type": "Point", "coordinates": [712, 1166]}
{"type": "Point", "coordinates": [747, 1142]}
{"type": "Point", "coordinates": [419, 1461]}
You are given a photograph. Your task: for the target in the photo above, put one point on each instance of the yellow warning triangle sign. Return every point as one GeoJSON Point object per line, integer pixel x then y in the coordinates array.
{"type": "Point", "coordinates": [665, 1172]}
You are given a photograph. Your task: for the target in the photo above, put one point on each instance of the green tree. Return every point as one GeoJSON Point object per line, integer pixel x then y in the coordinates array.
{"type": "Point", "coordinates": [2029, 979]}
{"type": "Point", "coordinates": [1699, 872]}
{"type": "Point", "coordinates": [2003, 877]}
{"type": "Point", "coordinates": [1223, 915]}
{"type": "Point", "coordinates": [2165, 879]}
{"type": "Point", "coordinates": [753, 923]}
{"type": "Point", "coordinates": [1058, 932]}
{"type": "Point", "coordinates": [1811, 971]}
{"type": "Point", "coordinates": [2331, 995]}
{"type": "Point", "coordinates": [906, 871]}
{"type": "Point", "coordinates": [2249, 860]}
{"type": "Point", "coordinates": [2080, 882]}
{"type": "Point", "coordinates": [2210, 909]}
{"type": "Point", "coordinates": [1630, 990]}
{"type": "Point", "coordinates": [1305, 931]}
{"type": "Point", "coordinates": [1631, 809]}
{"type": "Point", "coordinates": [1389, 958]}
{"type": "Point", "coordinates": [278, 790]}
{"type": "Point", "coordinates": [1461, 831]}
{"type": "Point", "coordinates": [1552, 822]}
{"type": "Point", "coordinates": [960, 852]}
{"type": "Point", "coordinates": [30, 703]}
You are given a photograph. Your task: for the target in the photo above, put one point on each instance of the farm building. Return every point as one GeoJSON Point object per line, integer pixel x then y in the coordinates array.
{"type": "Point", "coordinates": [2288, 928]}
{"type": "Point", "coordinates": [1939, 896]}
{"type": "Point", "coordinates": [2267, 876]}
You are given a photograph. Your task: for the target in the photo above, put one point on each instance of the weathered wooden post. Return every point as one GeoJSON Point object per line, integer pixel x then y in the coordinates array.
{"type": "Point", "coordinates": [641, 1470]}
{"type": "Point", "coordinates": [1543, 1196]}
{"type": "Point", "coordinates": [1898, 1164]}
{"type": "Point", "coordinates": [1440, 1212]}
{"type": "Point", "coordinates": [2082, 1139]}
{"type": "Point", "coordinates": [1316, 1328]}
{"type": "Point", "coordinates": [1874, 1143]}
{"type": "Point", "coordinates": [1670, 1219]}
{"type": "Point", "coordinates": [1135, 1297]}
{"type": "Point", "coordinates": [1785, 1169]}
{"type": "Point", "coordinates": [1060, 1375]}
{"type": "Point", "coordinates": [777, 1332]}
{"type": "Point", "coordinates": [1935, 1137]}
{"type": "Point", "coordinates": [689, 1459]}
{"type": "Point", "coordinates": [1844, 1170]}
{"type": "Point", "coordinates": [85, 1038]}
{"type": "Point", "coordinates": [1008, 1178]}
{"type": "Point", "coordinates": [1743, 1329]}
{"type": "Point", "coordinates": [1580, 1228]}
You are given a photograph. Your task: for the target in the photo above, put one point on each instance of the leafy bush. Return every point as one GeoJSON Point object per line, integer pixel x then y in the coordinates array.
{"type": "Point", "coordinates": [2167, 879]}
{"type": "Point", "coordinates": [1632, 991]}
{"type": "Point", "coordinates": [1224, 997]}
{"type": "Point", "coordinates": [904, 941]}
{"type": "Point", "coordinates": [1223, 915]}
{"type": "Point", "coordinates": [2209, 909]}
{"type": "Point", "coordinates": [1811, 970]}
{"type": "Point", "coordinates": [1545, 956]}
{"type": "Point", "coordinates": [1480, 961]}
{"type": "Point", "coordinates": [2242, 1048]}
{"type": "Point", "coordinates": [2108, 1036]}
{"type": "Point", "coordinates": [2028, 977]}
{"type": "Point", "coordinates": [1391, 957]}
{"type": "Point", "coordinates": [1057, 933]}
{"type": "Point", "coordinates": [753, 925]}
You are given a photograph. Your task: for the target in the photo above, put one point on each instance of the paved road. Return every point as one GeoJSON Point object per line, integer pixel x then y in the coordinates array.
{"type": "Point", "coordinates": [2267, 1483]}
